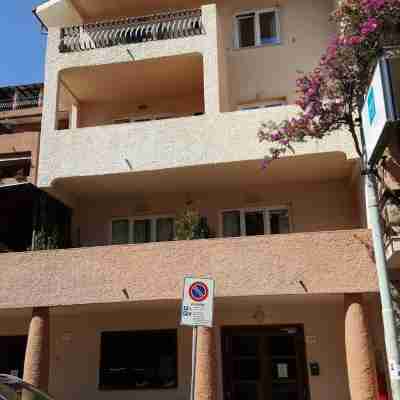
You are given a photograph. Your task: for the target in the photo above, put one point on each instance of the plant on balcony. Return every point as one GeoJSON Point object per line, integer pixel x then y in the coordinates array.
{"type": "Point", "coordinates": [330, 96]}
{"type": "Point", "coordinates": [51, 224]}
{"type": "Point", "coordinates": [189, 225]}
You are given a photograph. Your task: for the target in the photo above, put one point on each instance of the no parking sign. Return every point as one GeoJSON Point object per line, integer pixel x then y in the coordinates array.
{"type": "Point", "coordinates": [198, 302]}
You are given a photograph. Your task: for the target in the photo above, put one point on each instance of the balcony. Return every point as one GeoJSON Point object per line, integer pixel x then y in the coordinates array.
{"type": "Point", "coordinates": [23, 101]}
{"type": "Point", "coordinates": [171, 25]}
{"type": "Point", "coordinates": [325, 262]}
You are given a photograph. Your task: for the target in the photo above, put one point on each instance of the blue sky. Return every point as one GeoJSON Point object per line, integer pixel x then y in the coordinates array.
{"type": "Point", "coordinates": [22, 45]}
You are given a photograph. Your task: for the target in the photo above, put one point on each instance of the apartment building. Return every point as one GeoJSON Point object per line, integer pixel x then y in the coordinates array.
{"type": "Point", "coordinates": [162, 101]}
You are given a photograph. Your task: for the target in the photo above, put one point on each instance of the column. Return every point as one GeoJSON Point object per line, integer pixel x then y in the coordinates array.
{"type": "Point", "coordinates": [360, 358]}
{"type": "Point", "coordinates": [36, 368]}
{"type": "Point", "coordinates": [206, 367]}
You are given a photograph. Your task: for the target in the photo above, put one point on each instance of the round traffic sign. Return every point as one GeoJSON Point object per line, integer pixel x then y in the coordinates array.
{"type": "Point", "coordinates": [198, 291]}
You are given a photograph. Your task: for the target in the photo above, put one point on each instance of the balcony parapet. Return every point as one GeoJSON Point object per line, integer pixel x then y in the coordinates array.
{"type": "Point", "coordinates": [332, 262]}
{"type": "Point", "coordinates": [177, 24]}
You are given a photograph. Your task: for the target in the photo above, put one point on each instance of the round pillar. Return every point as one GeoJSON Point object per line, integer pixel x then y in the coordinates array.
{"type": "Point", "coordinates": [37, 360]}
{"type": "Point", "coordinates": [206, 365]}
{"type": "Point", "coordinates": [360, 362]}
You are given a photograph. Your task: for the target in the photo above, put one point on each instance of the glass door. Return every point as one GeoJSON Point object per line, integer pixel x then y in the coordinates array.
{"type": "Point", "coordinates": [264, 363]}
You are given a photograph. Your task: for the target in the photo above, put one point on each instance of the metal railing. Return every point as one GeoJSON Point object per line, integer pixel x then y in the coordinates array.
{"type": "Point", "coordinates": [20, 104]}
{"type": "Point", "coordinates": [171, 25]}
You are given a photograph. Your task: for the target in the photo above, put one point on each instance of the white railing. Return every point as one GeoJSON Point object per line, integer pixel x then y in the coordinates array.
{"type": "Point", "coordinates": [163, 26]}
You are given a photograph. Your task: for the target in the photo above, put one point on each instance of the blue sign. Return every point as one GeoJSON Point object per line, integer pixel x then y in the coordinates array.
{"type": "Point", "coordinates": [371, 106]}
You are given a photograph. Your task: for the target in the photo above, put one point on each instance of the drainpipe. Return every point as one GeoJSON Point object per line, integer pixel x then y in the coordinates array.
{"type": "Point", "coordinates": [374, 218]}
{"type": "Point", "coordinates": [389, 325]}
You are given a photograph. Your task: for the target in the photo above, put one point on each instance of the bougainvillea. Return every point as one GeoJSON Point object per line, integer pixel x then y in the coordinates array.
{"type": "Point", "coordinates": [330, 96]}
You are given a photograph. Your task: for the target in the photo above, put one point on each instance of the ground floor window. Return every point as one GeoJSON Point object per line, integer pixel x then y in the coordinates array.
{"type": "Point", "coordinates": [257, 221]}
{"type": "Point", "coordinates": [142, 230]}
{"type": "Point", "coordinates": [12, 355]}
{"type": "Point", "coordinates": [139, 360]}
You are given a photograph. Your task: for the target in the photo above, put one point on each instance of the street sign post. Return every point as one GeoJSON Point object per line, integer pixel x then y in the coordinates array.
{"type": "Point", "coordinates": [197, 310]}
{"type": "Point", "coordinates": [381, 108]}
{"type": "Point", "coordinates": [198, 301]}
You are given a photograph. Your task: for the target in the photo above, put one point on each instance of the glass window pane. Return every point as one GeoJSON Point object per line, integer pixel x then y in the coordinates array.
{"type": "Point", "coordinates": [142, 231]}
{"type": "Point", "coordinates": [245, 345]}
{"type": "Point", "coordinates": [279, 221]}
{"type": "Point", "coordinates": [268, 28]}
{"type": "Point", "coordinates": [231, 223]}
{"type": "Point", "coordinates": [246, 30]}
{"type": "Point", "coordinates": [165, 229]}
{"type": "Point", "coordinates": [254, 223]}
{"type": "Point", "coordinates": [136, 360]}
{"type": "Point", "coordinates": [246, 370]}
{"type": "Point", "coordinates": [282, 345]}
{"type": "Point", "coordinates": [246, 391]}
{"type": "Point", "coordinates": [120, 231]}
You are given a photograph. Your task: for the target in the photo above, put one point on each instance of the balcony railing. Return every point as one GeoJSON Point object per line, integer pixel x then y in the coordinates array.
{"type": "Point", "coordinates": [20, 104]}
{"type": "Point", "coordinates": [163, 26]}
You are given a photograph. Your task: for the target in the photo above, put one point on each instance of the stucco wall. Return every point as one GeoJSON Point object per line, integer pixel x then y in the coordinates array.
{"type": "Point", "coordinates": [271, 71]}
{"type": "Point", "coordinates": [331, 208]}
{"type": "Point", "coordinates": [75, 342]}
{"type": "Point", "coordinates": [214, 137]}
{"type": "Point", "coordinates": [327, 262]}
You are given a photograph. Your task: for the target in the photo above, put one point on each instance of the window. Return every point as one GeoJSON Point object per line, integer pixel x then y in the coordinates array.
{"type": "Point", "coordinates": [257, 28]}
{"type": "Point", "coordinates": [142, 230]}
{"type": "Point", "coordinates": [14, 167]}
{"type": "Point", "coordinates": [12, 350]}
{"type": "Point", "coordinates": [253, 222]}
{"type": "Point", "coordinates": [138, 360]}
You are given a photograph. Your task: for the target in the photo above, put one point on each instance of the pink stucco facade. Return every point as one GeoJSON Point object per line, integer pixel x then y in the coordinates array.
{"type": "Point", "coordinates": [326, 262]}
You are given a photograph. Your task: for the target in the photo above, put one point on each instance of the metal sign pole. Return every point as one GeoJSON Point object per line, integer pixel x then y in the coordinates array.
{"type": "Point", "coordinates": [194, 360]}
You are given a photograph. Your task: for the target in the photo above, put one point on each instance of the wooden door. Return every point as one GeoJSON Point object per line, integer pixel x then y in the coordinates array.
{"type": "Point", "coordinates": [264, 363]}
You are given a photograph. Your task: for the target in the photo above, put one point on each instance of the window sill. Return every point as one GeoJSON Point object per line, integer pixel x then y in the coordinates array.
{"type": "Point", "coordinates": [234, 49]}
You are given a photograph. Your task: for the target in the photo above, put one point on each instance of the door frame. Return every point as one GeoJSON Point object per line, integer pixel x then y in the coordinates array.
{"type": "Point", "coordinates": [302, 358]}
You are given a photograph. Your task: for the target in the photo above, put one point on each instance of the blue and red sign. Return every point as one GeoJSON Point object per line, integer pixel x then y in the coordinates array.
{"type": "Point", "coordinates": [198, 291]}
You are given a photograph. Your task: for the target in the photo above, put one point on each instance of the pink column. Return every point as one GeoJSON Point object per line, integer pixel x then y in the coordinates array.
{"type": "Point", "coordinates": [360, 359]}
{"type": "Point", "coordinates": [37, 360]}
{"type": "Point", "coordinates": [206, 367]}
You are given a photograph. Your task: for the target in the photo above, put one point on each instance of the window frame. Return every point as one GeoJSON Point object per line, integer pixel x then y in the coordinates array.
{"type": "Point", "coordinates": [104, 388]}
{"type": "Point", "coordinates": [131, 220]}
{"type": "Point", "coordinates": [257, 28]}
{"type": "Point", "coordinates": [266, 213]}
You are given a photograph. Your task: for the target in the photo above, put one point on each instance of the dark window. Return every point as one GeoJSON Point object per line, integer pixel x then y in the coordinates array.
{"type": "Point", "coordinates": [120, 231]}
{"type": "Point", "coordinates": [165, 229]}
{"type": "Point", "coordinates": [254, 223]}
{"type": "Point", "coordinates": [268, 28]}
{"type": "Point", "coordinates": [142, 231]}
{"type": "Point", "coordinates": [246, 30]}
{"type": "Point", "coordinates": [231, 223]}
{"type": "Point", "coordinates": [12, 355]}
{"type": "Point", "coordinates": [16, 166]}
{"type": "Point", "coordinates": [138, 360]}
{"type": "Point", "coordinates": [279, 220]}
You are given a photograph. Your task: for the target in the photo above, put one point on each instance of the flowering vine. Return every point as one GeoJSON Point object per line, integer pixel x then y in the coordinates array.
{"type": "Point", "coordinates": [330, 96]}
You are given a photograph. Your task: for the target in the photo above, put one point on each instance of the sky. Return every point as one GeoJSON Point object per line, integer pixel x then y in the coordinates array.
{"type": "Point", "coordinates": [22, 46]}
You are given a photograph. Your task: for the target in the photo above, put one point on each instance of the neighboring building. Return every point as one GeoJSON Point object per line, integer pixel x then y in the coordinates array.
{"type": "Point", "coordinates": [22, 219]}
{"type": "Point", "coordinates": [164, 100]}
